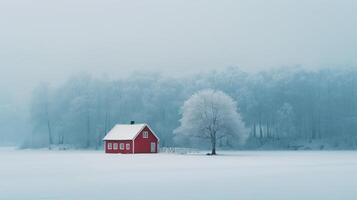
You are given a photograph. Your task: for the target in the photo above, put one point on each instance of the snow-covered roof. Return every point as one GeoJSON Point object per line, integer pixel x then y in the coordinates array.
{"type": "Point", "coordinates": [124, 131]}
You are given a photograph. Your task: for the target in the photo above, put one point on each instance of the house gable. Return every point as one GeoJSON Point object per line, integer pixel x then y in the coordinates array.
{"type": "Point", "coordinates": [146, 128]}
{"type": "Point", "coordinates": [143, 144]}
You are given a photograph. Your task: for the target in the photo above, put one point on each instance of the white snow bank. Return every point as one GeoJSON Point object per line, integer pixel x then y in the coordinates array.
{"type": "Point", "coordinates": [28, 174]}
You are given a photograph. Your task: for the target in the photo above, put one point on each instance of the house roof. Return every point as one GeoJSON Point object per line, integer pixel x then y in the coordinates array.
{"type": "Point", "coordinates": [126, 132]}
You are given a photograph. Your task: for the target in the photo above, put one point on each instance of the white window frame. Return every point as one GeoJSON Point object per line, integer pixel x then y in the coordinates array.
{"type": "Point", "coordinates": [115, 146]}
{"type": "Point", "coordinates": [127, 146]}
{"type": "Point", "coordinates": [145, 134]}
{"type": "Point", "coordinates": [121, 146]}
{"type": "Point", "coordinates": [110, 147]}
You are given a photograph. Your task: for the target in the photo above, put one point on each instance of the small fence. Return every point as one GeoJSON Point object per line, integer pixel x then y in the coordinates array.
{"type": "Point", "coordinates": [177, 150]}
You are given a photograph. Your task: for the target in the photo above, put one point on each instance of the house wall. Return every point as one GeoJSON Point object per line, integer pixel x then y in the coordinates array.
{"type": "Point", "coordinates": [142, 145]}
{"type": "Point", "coordinates": [118, 142]}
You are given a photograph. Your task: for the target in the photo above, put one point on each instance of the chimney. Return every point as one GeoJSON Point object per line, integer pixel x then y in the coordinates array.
{"type": "Point", "coordinates": [132, 122]}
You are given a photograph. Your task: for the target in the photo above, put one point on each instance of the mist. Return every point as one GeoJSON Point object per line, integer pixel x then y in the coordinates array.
{"type": "Point", "coordinates": [49, 43]}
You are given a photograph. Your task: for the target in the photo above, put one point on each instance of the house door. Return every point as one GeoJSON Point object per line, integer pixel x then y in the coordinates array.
{"type": "Point", "coordinates": [153, 147]}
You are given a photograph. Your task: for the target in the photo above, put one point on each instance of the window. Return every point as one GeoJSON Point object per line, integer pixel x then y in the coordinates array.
{"type": "Point", "coordinates": [127, 146]}
{"type": "Point", "coordinates": [115, 146]}
{"type": "Point", "coordinates": [109, 145]}
{"type": "Point", "coordinates": [145, 134]}
{"type": "Point", "coordinates": [121, 146]}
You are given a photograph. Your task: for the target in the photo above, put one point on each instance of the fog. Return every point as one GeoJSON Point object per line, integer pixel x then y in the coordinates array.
{"type": "Point", "coordinates": [50, 41]}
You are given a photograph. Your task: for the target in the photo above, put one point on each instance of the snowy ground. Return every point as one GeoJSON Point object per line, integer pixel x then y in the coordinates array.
{"type": "Point", "coordinates": [40, 174]}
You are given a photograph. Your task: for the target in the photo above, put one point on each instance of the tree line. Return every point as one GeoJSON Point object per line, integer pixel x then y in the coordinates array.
{"type": "Point", "coordinates": [287, 108]}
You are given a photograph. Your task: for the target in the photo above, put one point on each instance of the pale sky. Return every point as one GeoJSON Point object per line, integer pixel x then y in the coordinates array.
{"type": "Point", "coordinates": [42, 40]}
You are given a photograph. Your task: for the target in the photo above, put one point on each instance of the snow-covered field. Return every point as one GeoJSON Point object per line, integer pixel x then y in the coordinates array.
{"type": "Point", "coordinates": [41, 174]}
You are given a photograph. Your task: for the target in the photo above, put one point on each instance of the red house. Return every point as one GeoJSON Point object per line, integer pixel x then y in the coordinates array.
{"type": "Point", "coordinates": [131, 138]}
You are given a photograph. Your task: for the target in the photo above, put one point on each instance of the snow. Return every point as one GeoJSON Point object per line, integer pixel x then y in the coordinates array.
{"type": "Point", "coordinates": [124, 131]}
{"type": "Point", "coordinates": [42, 174]}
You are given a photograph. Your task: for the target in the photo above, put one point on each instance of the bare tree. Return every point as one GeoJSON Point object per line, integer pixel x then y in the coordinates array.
{"type": "Point", "coordinates": [47, 115]}
{"type": "Point", "coordinates": [40, 111]}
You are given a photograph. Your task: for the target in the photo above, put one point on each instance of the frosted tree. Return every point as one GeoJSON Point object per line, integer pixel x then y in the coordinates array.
{"type": "Point", "coordinates": [211, 115]}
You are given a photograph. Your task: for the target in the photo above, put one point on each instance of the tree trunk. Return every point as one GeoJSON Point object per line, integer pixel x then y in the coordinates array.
{"type": "Point", "coordinates": [49, 134]}
{"type": "Point", "coordinates": [260, 130]}
{"type": "Point", "coordinates": [213, 142]}
{"type": "Point", "coordinates": [48, 125]}
{"type": "Point", "coordinates": [268, 130]}
{"type": "Point", "coordinates": [213, 151]}
{"type": "Point", "coordinates": [88, 131]}
{"type": "Point", "coordinates": [61, 140]}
